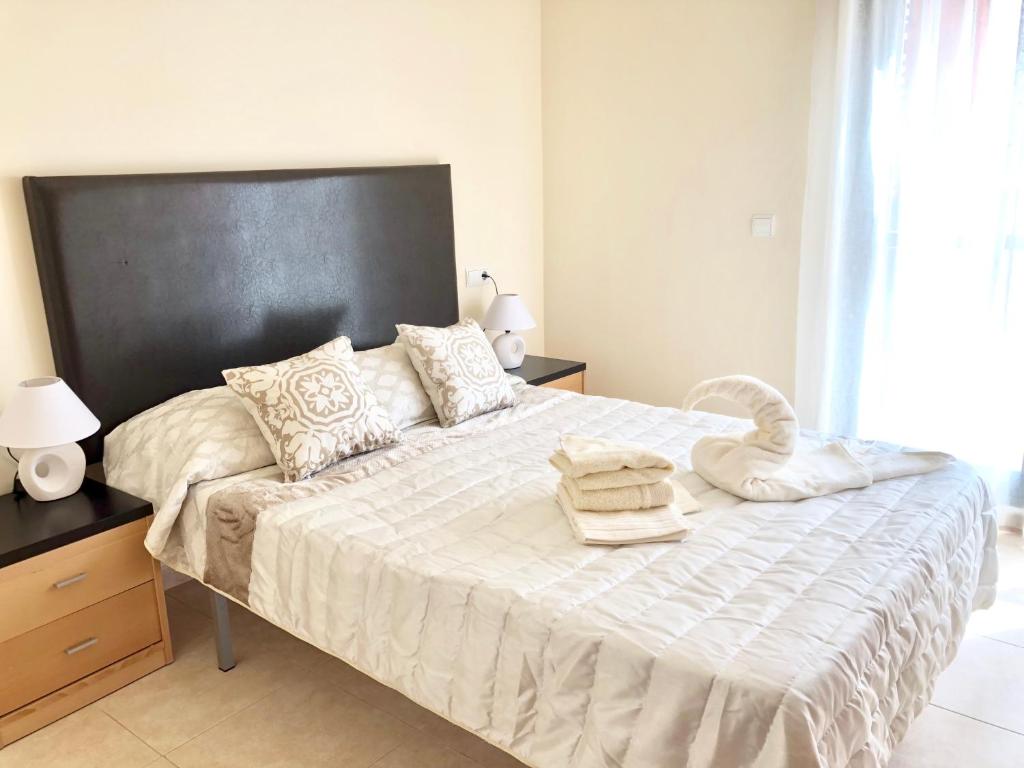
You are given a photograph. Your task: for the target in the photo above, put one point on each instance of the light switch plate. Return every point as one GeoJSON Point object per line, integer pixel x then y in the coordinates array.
{"type": "Point", "coordinates": [762, 225]}
{"type": "Point", "coordinates": [475, 277]}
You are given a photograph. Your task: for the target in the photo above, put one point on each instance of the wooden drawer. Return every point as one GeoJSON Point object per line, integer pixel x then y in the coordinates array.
{"type": "Point", "coordinates": [573, 383]}
{"type": "Point", "coordinates": [58, 583]}
{"type": "Point", "coordinates": [45, 659]}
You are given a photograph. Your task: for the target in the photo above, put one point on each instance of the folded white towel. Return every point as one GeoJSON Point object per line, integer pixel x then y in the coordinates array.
{"type": "Point", "coordinates": [579, 456]}
{"type": "Point", "coordinates": [765, 465]}
{"type": "Point", "coordinates": [630, 526]}
{"type": "Point", "coordinates": [642, 496]}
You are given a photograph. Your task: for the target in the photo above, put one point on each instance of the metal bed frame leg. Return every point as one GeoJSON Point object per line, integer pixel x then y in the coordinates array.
{"type": "Point", "coordinates": [222, 632]}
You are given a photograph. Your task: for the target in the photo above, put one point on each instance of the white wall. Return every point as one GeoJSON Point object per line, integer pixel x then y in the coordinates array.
{"type": "Point", "coordinates": [108, 86]}
{"type": "Point", "coordinates": [667, 124]}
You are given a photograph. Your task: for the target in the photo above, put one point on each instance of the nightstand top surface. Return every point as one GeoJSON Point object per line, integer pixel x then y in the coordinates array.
{"type": "Point", "coordinates": [29, 528]}
{"type": "Point", "coordinates": [540, 370]}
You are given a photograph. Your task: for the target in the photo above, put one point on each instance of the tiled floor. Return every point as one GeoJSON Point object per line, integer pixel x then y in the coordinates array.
{"type": "Point", "coordinates": [288, 704]}
{"type": "Point", "coordinates": [976, 718]}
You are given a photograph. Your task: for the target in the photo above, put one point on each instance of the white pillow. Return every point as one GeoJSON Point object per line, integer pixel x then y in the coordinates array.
{"type": "Point", "coordinates": [201, 435]}
{"type": "Point", "coordinates": [389, 374]}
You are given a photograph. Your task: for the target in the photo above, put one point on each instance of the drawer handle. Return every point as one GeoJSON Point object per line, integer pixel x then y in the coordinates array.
{"type": "Point", "coordinates": [81, 646]}
{"type": "Point", "coordinates": [70, 580]}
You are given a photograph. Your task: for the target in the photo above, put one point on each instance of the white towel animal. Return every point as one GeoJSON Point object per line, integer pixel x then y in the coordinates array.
{"type": "Point", "coordinates": [765, 465]}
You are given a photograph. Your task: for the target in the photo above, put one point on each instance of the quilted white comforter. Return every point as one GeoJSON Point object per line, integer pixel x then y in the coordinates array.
{"type": "Point", "coordinates": [777, 634]}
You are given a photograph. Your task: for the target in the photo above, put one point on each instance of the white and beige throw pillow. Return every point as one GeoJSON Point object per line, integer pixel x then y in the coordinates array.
{"type": "Point", "coordinates": [389, 374]}
{"type": "Point", "coordinates": [458, 369]}
{"type": "Point", "coordinates": [313, 409]}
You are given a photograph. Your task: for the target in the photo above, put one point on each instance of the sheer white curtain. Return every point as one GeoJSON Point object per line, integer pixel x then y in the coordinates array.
{"type": "Point", "coordinates": [912, 273]}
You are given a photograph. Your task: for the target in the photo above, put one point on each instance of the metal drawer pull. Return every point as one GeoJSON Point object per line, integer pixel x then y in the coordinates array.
{"type": "Point", "coordinates": [70, 580]}
{"type": "Point", "coordinates": [81, 646]}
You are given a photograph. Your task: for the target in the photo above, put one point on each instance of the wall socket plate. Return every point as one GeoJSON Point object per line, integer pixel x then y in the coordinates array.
{"type": "Point", "coordinates": [762, 225]}
{"type": "Point", "coordinates": [475, 277]}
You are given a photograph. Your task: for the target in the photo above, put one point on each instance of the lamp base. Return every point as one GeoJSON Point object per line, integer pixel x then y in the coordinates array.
{"type": "Point", "coordinates": [510, 350]}
{"type": "Point", "coordinates": [52, 473]}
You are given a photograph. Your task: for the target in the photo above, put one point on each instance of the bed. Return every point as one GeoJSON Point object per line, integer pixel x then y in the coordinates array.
{"type": "Point", "coordinates": [780, 634]}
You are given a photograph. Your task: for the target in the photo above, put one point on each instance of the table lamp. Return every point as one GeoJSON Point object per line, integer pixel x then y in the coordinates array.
{"type": "Point", "coordinates": [42, 421]}
{"type": "Point", "coordinates": [508, 313]}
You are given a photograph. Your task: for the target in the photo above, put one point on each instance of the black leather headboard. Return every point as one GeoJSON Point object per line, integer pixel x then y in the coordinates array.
{"type": "Point", "coordinates": [155, 283]}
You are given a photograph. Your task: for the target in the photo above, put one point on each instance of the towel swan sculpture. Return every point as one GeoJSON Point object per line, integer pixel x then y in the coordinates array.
{"type": "Point", "coordinates": [768, 464]}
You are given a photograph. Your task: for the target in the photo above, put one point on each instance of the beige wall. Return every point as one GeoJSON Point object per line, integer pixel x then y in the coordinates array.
{"type": "Point", "coordinates": [667, 124]}
{"type": "Point", "coordinates": [99, 86]}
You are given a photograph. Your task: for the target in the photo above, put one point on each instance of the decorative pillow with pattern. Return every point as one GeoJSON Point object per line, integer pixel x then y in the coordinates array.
{"type": "Point", "coordinates": [314, 409]}
{"type": "Point", "coordinates": [458, 369]}
{"type": "Point", "coordinates": [389, 374]}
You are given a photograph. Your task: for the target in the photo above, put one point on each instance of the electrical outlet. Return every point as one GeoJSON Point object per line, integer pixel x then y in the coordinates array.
{"type": "Point", "coordinates": [475, 277]}
{"type": "Point", "coordinates": [762, 225]}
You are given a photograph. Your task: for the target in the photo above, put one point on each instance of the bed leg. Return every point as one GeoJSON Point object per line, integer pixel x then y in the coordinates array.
{"type": "Point", "coordinates": [222, 632]}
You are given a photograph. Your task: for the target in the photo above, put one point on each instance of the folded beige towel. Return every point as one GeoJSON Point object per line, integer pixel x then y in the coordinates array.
{"type": "Point", "coordinates": [616, 499]}
{"type": "Point", "coordinates": [580, 456]}
{"type": "Point", "coordinates": [619, 478]}
{"type": "Point", "coordinates": [626, 527]}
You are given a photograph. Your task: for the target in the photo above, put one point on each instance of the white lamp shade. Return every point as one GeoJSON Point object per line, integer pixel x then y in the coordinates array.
{"type": "Point", "coordinates": [508, 313]}
{"type": "Point", "coordinates": [43, 413]}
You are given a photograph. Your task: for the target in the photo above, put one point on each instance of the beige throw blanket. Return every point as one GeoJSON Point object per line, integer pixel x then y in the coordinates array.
{"type": "Point", "coordinates": [766, 465]}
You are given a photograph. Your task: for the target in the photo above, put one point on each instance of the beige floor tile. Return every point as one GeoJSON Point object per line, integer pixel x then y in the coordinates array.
{"type": "Point", "coordinates": [189, 627]}
{"type": "Point", "coordinates": [369, 690]}
{"type": "Point", "coordinates": [425, 756]}
{"type": "Point", "coordinates": [941, 739]}
{"type": "Point", "coordinates": [246, 624]}
{"type": "Point", "coordinates": [986, 682]}
{"type": "Point", "coordinates": [309, 723]}
{"type": "Point", "coordinates": [87, 738]}
{"type": "Point", "coordinates": [163, 762]}
{"type": "Point", "coordinates": [1011, 560]}
{"type": "Point", "coordinates": [391, 701]}
{"type": "Point", "coordinates": [180, 701]}
{"type": "Point", "coordinates": [1005, 620]}
{"type": "Point", "coordinates": [468, 744]}
{"type": "Point", "coordinates": [1011, 549]}
{"type": "Point", "coordinates": [194, 595]}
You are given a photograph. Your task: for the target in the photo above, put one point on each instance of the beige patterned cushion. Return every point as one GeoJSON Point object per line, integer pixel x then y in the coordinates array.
{"type": "Point", "coordinates": [458, 369]}
{"type": "Point", "coordinates": [313, 409]}
{"type": "Point", "coordinates": [389, 374]}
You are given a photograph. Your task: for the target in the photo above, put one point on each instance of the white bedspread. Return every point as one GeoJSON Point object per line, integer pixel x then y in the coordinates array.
{"type": "Point", "coordinates": [778, 634]}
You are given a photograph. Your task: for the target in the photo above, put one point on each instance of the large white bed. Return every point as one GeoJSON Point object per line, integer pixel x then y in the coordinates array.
{"type": "Point", "coordinates": [776, 634]}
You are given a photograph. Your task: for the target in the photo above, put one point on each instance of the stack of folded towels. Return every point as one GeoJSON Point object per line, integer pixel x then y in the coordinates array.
{"type": "Point", "coordinates": [619, 493]}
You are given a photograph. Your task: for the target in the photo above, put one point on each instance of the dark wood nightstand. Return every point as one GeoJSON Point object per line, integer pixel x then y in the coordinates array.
{"type": "Point", "coordinates": [552, 372]}
{"type": "Point", "coordinates": [82, 609]}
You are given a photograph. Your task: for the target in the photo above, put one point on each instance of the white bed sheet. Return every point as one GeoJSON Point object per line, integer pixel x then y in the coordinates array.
{"type": "Point", "coordinates": [779, 634]}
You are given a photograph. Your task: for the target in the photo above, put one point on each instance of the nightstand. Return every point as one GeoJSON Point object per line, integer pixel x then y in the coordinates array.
{"type": "Point", "coordinates": [82, 609]}
{"type": "Point", "coordinates": [552, 372]}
